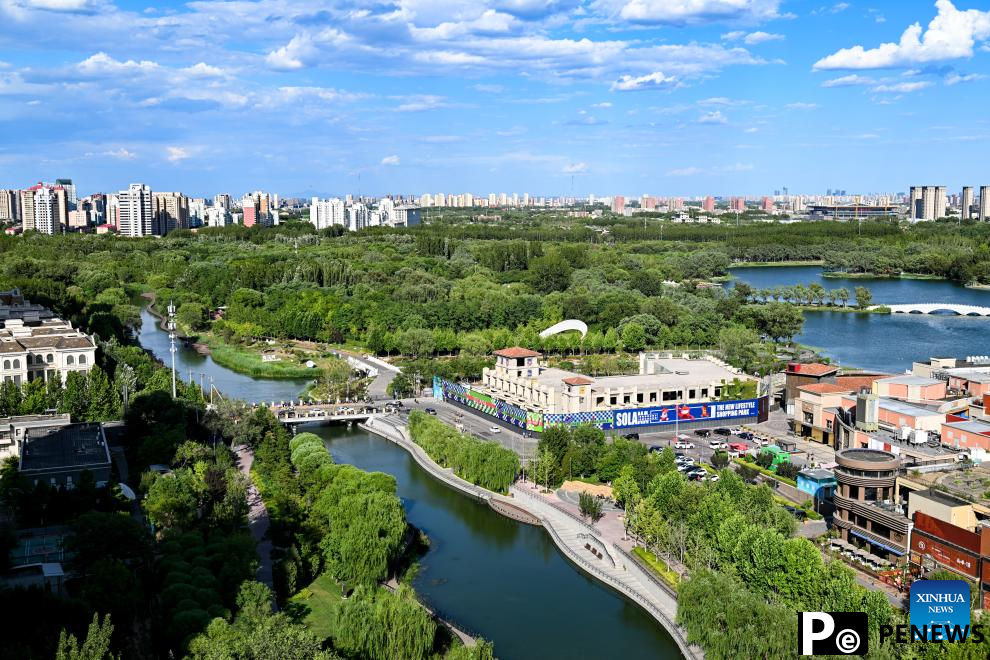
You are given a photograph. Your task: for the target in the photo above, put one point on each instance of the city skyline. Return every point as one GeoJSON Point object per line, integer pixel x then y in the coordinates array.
{"type": "Point", "coordinates": [554, 98]}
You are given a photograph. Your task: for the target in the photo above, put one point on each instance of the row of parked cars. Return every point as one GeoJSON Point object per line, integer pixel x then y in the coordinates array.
{"type": "Point", "coordinates": [692, 470]}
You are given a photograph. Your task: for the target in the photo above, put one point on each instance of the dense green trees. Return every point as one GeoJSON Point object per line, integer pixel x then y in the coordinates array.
{"type": "Point", "coordinates": [486, 464]}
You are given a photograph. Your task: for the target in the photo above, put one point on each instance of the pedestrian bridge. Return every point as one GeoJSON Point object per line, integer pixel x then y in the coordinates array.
{"type": "Point", "coordinates": [935, 308]}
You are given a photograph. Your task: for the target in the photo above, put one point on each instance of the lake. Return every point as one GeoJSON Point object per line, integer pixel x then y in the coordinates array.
{"type": "Point", "coordinates": [884, 342]}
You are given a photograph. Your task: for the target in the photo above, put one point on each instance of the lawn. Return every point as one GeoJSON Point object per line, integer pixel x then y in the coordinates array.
{"type": "Point", "coordinates": [658, 565]}
{"type": "Point", "coordinates": [316, 605]}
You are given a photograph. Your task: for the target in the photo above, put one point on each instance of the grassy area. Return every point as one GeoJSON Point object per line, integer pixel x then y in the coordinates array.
{"type": "Point", "coordinates": [838, 308]}
{"type": "Point", "coordinates": [316, 605]}
{"type": "Point", "coordinates": [586, 480]}
{"type": "Point", "coordinates": [774, 264]}
{"type": "Point", "coordinates": [765, 472]}
{"type": "Point", "coordinates": [248, 362]}
{"type": "Point", "coordinates": [658, 565]}
{"type": "Point", "coordinates": [807, 506]}
{"type": "Point", "coordinates": [840, 275]}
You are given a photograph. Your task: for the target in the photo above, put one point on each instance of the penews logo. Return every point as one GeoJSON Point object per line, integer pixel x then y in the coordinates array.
{"type": "Point", "coordinates": [833, 633]}
{"type": "Point", "coordinates": [938, 607]}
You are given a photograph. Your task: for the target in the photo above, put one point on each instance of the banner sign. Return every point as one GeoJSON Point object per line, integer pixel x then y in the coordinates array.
{"type": "Point", "coordinates": [600, 418]}
{"type": "Point", "coordinates": [604, 419]}
{"type": "Point", "coordinates": [688, 412]}
{"type": "Point", "coordinates": [489, 405]}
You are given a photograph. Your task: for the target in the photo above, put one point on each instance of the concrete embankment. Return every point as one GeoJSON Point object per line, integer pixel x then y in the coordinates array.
{"type": "Point", "coordinates": [578, 541]}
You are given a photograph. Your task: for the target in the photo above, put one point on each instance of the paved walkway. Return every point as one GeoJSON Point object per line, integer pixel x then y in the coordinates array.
{"type": "Point", "coordinates": [257, 517]}
{"type": "Point", "coordinates": [569, 532]}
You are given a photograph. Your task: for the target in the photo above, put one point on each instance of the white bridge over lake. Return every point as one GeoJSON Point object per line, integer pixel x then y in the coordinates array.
{"type": "Point", "coordinates": [936, 308]}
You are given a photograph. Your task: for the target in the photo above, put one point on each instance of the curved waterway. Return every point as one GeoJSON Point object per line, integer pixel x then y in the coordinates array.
{"type": "Point", "coordinates": [494, 577]}
{"type": "Point", "coordinates": [878, 341]}
{"type": "Point", "coordinates": [190, 365]}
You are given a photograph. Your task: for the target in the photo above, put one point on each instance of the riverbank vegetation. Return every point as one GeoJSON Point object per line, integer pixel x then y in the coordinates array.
{"type": "Point", "coordinates": [485, 464]}
{"type": "Point", "coordinates": [336, 522]}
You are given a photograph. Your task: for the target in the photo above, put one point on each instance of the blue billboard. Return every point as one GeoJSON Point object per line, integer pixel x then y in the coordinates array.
{"type": "Point", "coordinates": [686, 412]}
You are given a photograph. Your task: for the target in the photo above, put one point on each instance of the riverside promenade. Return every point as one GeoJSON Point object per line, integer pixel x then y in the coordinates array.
{"type": "Point", "coordinates": [609, 564]}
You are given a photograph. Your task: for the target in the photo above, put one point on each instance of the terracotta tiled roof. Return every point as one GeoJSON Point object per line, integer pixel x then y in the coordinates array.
{"type": "Point", "coordinates": [578, 380]}
{"type": "Point", "coordinates": [858, 382]}
{"type": "Point", "coordinates": [826, 388]}
{"type": "Point", "coordinates": [813, 369]}
{"type": "Point", "coordinates": [516, 352]}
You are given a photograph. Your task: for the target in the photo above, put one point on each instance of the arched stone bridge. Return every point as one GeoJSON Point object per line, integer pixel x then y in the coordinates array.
{"type": "Point", "coordinates": [933, 308]}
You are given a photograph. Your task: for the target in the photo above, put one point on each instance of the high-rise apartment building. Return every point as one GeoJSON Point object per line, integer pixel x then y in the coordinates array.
{"type": "Point", "coordinates": [326, 213]}
{"type": "Point", "coordinates": [70, 192]}
{"type": "Point", "coordinates": [766, 205]}
{"type": "Point", "coordinates": [737, 204]}
{"type": "Point", "coordinates": [171, 211]}
{"type": "Point", "coordinates": [44, 208]}
{"type": "Point", "coordinates": [618, 204]}
{"type": "Point", "coordinates": [136, 211]}
{"type": "Point", "coordinates": [984, 203]}
{"type": "Point", "coordinates": [223, 201]}
{"type": "Point", "coordinates": [8, 206]}
{"type": "Point", "coordinates": [48, 204]}
{"type": "Point", "coordinates": [708, 204]}
{"type": "Point", "coordinates": [915, 210]}
{"type": "Point", "coordinates": [966, 205]}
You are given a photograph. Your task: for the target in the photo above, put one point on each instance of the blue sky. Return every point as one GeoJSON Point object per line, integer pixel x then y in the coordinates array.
{"type": "Point", "coordinates": [665, 97]}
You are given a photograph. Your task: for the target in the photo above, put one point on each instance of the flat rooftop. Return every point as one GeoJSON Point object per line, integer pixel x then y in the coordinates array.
{"type": "Point", "coordinates": [74, 445]}
{"type": "Point", "coordinates": [970, 425]}
{"type": "Point", "coordinates": [908, 379]}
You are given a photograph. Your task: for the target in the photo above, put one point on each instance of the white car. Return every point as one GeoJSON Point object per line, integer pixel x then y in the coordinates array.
{"type": "Point", "coordinates": [495, 429]}
{"type": "Point", "coordinates": [735, 431]}
{"type": "Point", "coordinates": [683, 444]}
{"type": "Point", "coordinates": [717, 444]}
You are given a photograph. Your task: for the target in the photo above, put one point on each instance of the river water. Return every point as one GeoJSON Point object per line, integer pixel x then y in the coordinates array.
{"type": "Point", "coordinates": [884, 342]}
{"type": "Point", "coordinates": [203, 368]}
{"type": "Point", "coordinates": [492, 576]}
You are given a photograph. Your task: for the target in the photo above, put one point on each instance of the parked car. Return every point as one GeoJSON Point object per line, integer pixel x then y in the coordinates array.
{"type": "Point", "coordinates": [656, 448]}
{"type": "Point", "coordinates": [736, 431]}
{"type": "Point", "coordinates": [797, 513]}
{"type": "Point", "coordinates": [495, 429]}
{"type": "Point", "coordinates": [746, 435]}
{"type": "Point", "coordinates": [718, 444]}
{"type": "Point", "coordinates": [430, 411]}
{"type": "Point", "coordinates": [722, 431]}
{"type": "Point", "coordinates": [712, 477]}
{"type": "Point", "coordinates": [702, 433]}
{"type": "Point", "coordinates": [631, 436]}
{"type": "Point", "coordinates": [683, 444]}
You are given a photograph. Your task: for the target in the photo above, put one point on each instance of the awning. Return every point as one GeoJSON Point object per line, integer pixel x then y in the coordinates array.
{"type": "Point", "coordinates": [875, 542]}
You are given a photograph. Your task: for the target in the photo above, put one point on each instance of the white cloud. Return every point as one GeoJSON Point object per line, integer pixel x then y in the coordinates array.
{"type": "Point", "coordinates": [715, 117]}
{"type": "Point", "coordinates": [176, 154]}
{"type": "Point", "coordinates": [752, 38]}
{"type": "Point", "coordinates": [900, 88]}
{"type": "Point", "coordinates": [67, 6]}
{"type": "Point", "coordinates": [655, 80]}
{"type": "Point", "coordinates": [390, 160]}
{"type": "Point", "coordinates": [760, 37]}
{"type": "Point", "coordinates": [603, 104]}
{"type": "Point", "coordinates": [102, 64]}
{"type": "Point", "coordinates": [851, 80]}
{"type": "Point", "coordinates": [421, 102]}
{"type": "Point", "coordinates": [752, 129]}
{"type": "Point", "coordinates": [293, 55]}
{"type": "Point", "coordinates": [682, 12]}
{"type": "Point", "coordinates": [489, 89]}
{"type": "Point", "coordinates": [801, 106]}
{"type": "Point", "coordinates": [685, 171]}
{"type": "Point", "coordinates": [120, 154]}
{"type": "Point", "coordinates": [951, 35]}
{"type": "Point", "coordinates": [956, 78]}
{"type": "Point", "coordinates": [575, 168]}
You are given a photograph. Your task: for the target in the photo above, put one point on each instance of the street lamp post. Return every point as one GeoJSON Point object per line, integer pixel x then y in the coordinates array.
{"type": "Point", "coordinates": [171, 341]}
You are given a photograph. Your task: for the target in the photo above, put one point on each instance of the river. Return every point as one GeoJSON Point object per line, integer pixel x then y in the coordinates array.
{"type": "Point", "coordinates": [881, 342]}
{"type": "Point", "coordinates": [496, 578]}
{"type": "Point", "coordinates": [228, 382]}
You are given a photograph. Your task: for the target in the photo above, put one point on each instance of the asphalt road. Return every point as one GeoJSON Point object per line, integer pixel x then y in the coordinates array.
{"type": "Point", "coordinates": [478, 425]}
